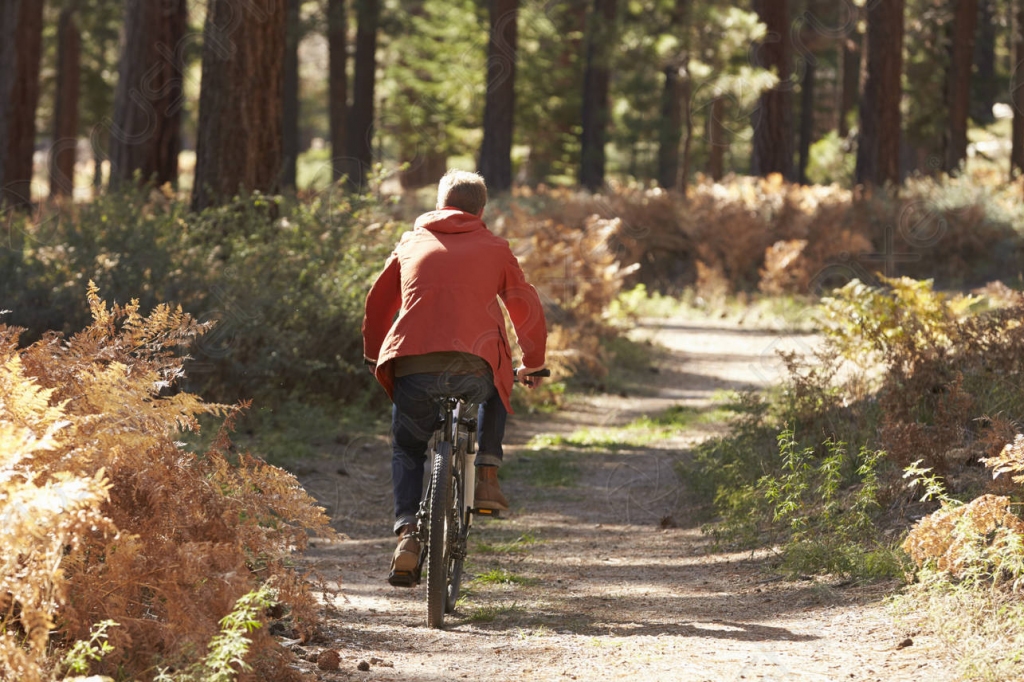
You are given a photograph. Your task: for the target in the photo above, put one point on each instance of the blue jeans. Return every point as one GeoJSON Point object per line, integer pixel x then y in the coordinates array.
{"type": "Point", "coordinates": [414, 418]}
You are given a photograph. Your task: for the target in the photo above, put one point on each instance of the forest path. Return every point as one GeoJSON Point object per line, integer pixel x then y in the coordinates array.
{"type": "Point", "coordinates": [604, 578]}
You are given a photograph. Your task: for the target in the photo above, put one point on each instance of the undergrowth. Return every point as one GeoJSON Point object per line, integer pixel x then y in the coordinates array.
{"type": "Point", "coordinates": [905, 374]}
{"type": "Point", "coordinates": [980, 630]}
{"type": "Point", "coordinates": [969, 560]}
{"type": "Point", "coordinates": [106, 517]}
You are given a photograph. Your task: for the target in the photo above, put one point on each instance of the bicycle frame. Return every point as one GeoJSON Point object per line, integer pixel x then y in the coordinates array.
{"type": "Point", "coordinates": [448, 506]}
{"type": "Point", "coordinates": [446, 510]}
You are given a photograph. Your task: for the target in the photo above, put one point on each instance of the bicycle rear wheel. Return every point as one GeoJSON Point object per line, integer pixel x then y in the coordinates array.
{"type": "Point", "coordinates": [437, 541]}
{"type": "Point", "coordinates": [458, 529]}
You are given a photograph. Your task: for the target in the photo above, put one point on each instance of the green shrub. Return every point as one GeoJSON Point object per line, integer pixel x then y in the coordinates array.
{"type": "Point", "coordinates": [285, 282]}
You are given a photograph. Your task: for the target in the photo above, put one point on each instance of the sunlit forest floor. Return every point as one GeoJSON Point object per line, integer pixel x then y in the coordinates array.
{"type": "Point", "coordinates": [601, 569]}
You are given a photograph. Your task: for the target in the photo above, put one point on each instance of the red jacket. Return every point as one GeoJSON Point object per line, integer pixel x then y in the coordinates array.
{"type": "Point", "coordinates": [443, 280]}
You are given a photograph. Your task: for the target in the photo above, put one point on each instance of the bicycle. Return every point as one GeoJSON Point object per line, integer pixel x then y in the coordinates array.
{"type": "Point", "coordinates": [447, 509]}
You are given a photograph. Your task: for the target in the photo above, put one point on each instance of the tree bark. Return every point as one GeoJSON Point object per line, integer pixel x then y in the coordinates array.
{"type": "Point", "coordinates": [806, 119]}
{"type": "Point", "coordinates": [684, 173]}
{"type": "Point", "coordinates": [290, 121]}
{"type": "Point", "coordinates": [670, 132]}
{"type": "Point", "coordinates": [850, 67]}
{"type": "Point", "coordinates": [21, 122]}
{"type": "Point", "coordinates": [878, 149]}
{"type": "Point", "coordinates": [716, 139]}
{"type": "Point", "coordinates": [359, 147]}
{"type": "Point", "coordinates": [1017, 94]}
{"type": "Point", "coordinates": [985, 83]}
{"type": "Point", "coordinates": [772, 119]}
{"type": "Point", "coordinates": [337, 39]}
{"type": "Point", "coordinates": [8, 68]}
{"type": "Point", "coordinates": [596, 114]}
{"type": "Point", "coordinates": [958, 82]}
{"type": "Point", "coordinates": [672, 102]}
{"type": "Point", "coordinates": [238, 143]}
{"type": "Point", "coordinates": [65, 110]}
{"type": "Point", "coordinates": [145, 137]}
{"type": "Point", "coordinates": [499, 108]}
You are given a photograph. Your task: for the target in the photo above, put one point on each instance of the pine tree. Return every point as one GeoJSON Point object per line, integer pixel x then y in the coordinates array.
{"type": "Point", "coordinates": [65, 114]}
{"type": "Point", "coordinates": [675, 102]}
{"type": "Point", "coordinates": [359, 147]}
{"type": "Point", "coordinates": [290, 120]}
{"type": "Point", "coordinates": [496, 151]}
{"type": "Point", "coordinates": [878, 148]}
{"type": "Point", "coordinates": [772, 120]}
{"type": "Point", "coordinates": [238, 144]}
{"type": "Point", "coordinates": [8, 68]}
{"type": "Point", "coordinates": [958, 81]}
{"type": "Point", "coordinates": [596, 115]}
{"type": "Point", "coordinates": [145, 136]}
{"type": "Point", "coordinates": [1017, 94]}
{"type": "Point", "coordinates": [337, 39]}
{"type": "Point", "coordinates": [849, 72]}
{"type": "Point", "coordinates": [551, 61]}
{"type": "Point", "coordinates": [985, 84]}
{"type": "Point", "coordinates": [21, 114]}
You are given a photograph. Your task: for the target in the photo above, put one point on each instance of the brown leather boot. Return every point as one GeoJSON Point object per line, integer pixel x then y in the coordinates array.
{"type": "Point", "coordinates": [488, 494]}
{"type": "Point", "coordinates": [405, 563]}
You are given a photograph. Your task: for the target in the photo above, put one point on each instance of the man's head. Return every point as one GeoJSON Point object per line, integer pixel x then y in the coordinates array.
{"type": "Point", "coordinates": [463, 190]}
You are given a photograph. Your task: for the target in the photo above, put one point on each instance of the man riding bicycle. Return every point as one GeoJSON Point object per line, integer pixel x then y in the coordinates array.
{"type": "Point", "coordinates": [444, 281]}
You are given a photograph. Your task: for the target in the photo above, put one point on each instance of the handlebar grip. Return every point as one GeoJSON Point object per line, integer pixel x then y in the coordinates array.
{"type": "Point", "coordinates": [539, 373]}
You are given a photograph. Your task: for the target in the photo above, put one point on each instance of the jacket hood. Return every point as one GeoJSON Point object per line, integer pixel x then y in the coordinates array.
{"type": "Point", "coordinates": [449, 221]}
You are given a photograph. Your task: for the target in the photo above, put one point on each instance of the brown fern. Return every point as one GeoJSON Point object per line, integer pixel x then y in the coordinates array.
{"type": "Point", "coordinates": [108, 517]}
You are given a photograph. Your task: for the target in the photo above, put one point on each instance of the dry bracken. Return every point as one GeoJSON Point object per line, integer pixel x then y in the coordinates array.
{"type": "Point", "coordinates": [105, 515]}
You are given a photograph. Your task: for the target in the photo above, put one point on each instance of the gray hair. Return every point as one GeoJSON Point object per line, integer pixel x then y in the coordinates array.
{"type": "Point", "coordinates": [463, 190]}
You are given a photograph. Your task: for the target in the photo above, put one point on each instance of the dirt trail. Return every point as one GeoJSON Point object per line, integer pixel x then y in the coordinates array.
{"type": "Point", "coordinates": [594, 586]}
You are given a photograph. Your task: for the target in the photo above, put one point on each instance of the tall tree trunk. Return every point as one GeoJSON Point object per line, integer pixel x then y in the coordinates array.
{"type": "Point", "coordinates": [290, 121]}
{"type": "Point", "coordinates": [672, 101]}
{"type": "Point", "coordinates": [65, 109]}
{"type": "Point", "coordinates": [958, 82]}
{"type": "Point", "coordinates": [499, 108]}
{"type": "Point", "coordinates": [1017, 93]}
{"type": "Point", "coordinates": [806, 119]}
{"type": "Point", "coordinates": [596, 114]}
{"type": "Point", "coordinates": [773, 120]}
{"type": "Point", "coordinates": [985, 84]}
{"type": "Point", "coordinates": [238, 143]}
{"type": "Point", "coordinates": [145, 137]}
{"type": "Point", "coordinates": [8, 69]}
{"type": "Point", "coordinates": [849, 73]}
{"type": "Point", "coordinates": [359, 149]}
{"type": "Point", "coordinates": [670, 130]}
{"type": "Point", "coordinates": [21, 123]}
{"type": "Point", "coordinates": [337, 39]}
{"type": "Point", "coordinates": [716, 139]}
{"type": "Point", "coordinates": [878, 149]}
{"type": "Point", "coordinates": [684, 172]}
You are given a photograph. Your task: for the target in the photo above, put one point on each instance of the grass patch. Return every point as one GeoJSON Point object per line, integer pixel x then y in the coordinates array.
{"type": "Point", "coordinates": [491, 613]}
{"type": "Point", "coordinates": [641, 431]}
{"type": "Point", "coordinates": [500, 576]}
{"type": "Point", "coordinates": [854, 560]}
{"type": "Point", "coordinates": [520, 544]}
{"type": "Point", "coordinates": [290, 432]}
{"type": "Point", "coordinates": [638, 302]}
{"type": "Point", "coordinates": [787, 312]}
{"type": "Point", "coordinates": [544, 469]}
{"type": "Point", "coordinates": [980, 627]}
